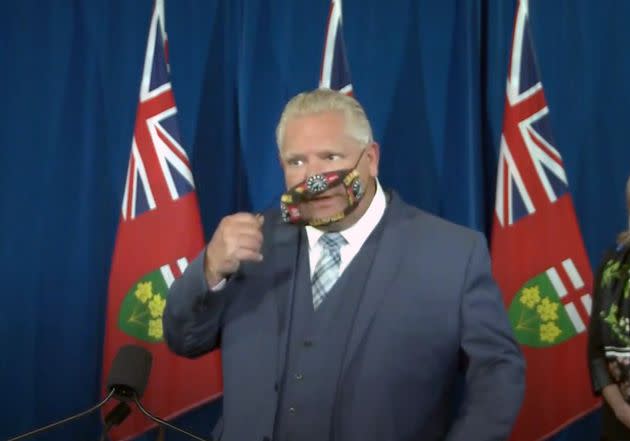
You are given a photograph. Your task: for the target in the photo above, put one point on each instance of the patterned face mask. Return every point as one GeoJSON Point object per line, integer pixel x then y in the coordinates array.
{"type": "Point", "coordinates": [317, 184]}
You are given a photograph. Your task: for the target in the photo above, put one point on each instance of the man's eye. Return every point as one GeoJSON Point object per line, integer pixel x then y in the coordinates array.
{"type": "Point", "coordinates": [333, 157]}
{"type": "Point", "coordinates": [295, 162]}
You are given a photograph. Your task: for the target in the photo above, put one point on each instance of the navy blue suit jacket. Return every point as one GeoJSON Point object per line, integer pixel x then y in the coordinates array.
{"type": "Point", "coordinates": [430, 307]}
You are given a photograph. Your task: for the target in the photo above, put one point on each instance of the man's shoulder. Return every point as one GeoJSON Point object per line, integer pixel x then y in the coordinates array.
{"type": "Point", "coordinates": [420, 223]}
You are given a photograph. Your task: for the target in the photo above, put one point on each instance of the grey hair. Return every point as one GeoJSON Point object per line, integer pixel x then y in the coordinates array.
{"type": "Point", "coordinates": [624, 237]}
{"type": "Point", "coordinates": [327, 100]}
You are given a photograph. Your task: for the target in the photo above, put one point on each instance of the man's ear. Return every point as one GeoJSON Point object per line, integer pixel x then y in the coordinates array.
{"type": "Point", "coordinates": [280, 161]}
{"type": "Point", "coordinates": [373, 154]}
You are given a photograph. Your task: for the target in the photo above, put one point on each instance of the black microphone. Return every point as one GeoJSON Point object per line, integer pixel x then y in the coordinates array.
{"type": "Point", "coordinates": [128, 379]}
{"type": "Point", "coordinates": [129, 369]}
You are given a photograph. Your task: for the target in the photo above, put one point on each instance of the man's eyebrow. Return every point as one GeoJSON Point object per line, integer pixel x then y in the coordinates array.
{"type": "Point", "coordinates": [292, 155]}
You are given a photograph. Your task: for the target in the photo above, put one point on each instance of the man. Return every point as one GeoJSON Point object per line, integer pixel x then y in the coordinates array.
{"type": "Point", "coordinates": [347, 315]}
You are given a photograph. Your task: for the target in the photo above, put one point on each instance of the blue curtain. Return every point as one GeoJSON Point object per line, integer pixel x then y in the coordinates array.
{"type": "Point", "coordinates": [430, 74]}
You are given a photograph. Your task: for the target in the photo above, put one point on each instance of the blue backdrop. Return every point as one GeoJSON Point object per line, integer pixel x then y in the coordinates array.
{"type": "Point", "coordinates": [431, 75]}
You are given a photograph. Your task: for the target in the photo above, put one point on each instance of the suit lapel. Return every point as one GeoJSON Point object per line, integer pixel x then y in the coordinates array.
{"type": "Point", "coordinates": [383, 270]}
{"type": "Point", "coordinates": [284, 247]}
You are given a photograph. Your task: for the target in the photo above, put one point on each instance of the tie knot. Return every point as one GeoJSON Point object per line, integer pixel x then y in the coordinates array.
{"type": "Point", "coordinates": [332, 241]}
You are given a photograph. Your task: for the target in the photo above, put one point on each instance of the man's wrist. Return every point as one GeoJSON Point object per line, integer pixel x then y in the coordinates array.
{"type": "Point", "coordinates": [213, 277]}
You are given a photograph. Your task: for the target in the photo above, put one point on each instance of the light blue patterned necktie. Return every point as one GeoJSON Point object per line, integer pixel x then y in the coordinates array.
{"type": "Point", "coordinates": [327, 269]}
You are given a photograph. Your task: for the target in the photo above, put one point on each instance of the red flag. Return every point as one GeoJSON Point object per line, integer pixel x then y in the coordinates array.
{"type": "Point", "coordinates": [538, 256]}
{"type": "Point", "coordinates": [159, 233]}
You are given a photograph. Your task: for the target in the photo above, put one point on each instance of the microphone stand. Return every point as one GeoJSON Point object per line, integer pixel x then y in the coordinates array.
{"type": "Point", "coordinates": [65, 420]}
{"type": "Point", "coordinates": [115, 416]}
{"type": "Point", "coordinates": [123, 394]}
{"type": "Point", "coordinates": [161, 421]}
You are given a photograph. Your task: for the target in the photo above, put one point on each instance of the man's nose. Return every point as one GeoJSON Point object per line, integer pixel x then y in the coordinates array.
{"type": "Point", "coordinates": [318, 166]}
{"type": "Point", "coordinates": [313, 168]}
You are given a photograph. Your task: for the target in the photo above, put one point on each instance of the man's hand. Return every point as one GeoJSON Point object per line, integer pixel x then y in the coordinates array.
{"type": "Point", "coordinates": [238, 238]}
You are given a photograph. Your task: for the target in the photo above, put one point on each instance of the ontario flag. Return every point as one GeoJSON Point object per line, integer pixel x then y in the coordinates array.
{"type": "Point", "coordinates": [335, 72]}
{"type": "Point", "coordinates": [159, 232]}
{"type": "Point", "coordinates": [538, 255]}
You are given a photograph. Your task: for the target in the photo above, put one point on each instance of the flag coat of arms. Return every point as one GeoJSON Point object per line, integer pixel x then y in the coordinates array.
{"type": "Point", "coordinates": [538, 255]}
{"type": "Point", "coordinates": [159, 233]}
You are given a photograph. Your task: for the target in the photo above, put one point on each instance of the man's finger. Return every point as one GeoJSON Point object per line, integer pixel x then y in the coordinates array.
{"type": "Point", "coordinates": [245, 219]}
{"type": "Point", "coordinates": [249, 242]}
{"type": "Point", "coordinates": [243, 254]}
{"type": "Point", "coordinates": [236, 237]}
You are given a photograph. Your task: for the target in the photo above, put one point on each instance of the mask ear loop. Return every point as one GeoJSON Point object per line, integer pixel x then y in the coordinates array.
{"type": "Point", "coordinates": [356, 186]}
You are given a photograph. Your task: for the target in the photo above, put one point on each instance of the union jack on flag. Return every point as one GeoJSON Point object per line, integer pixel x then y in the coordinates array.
{"type": "Point", "coordinates": [335, 72]}
{"type": "Point", "coordinates": [159, 170]}
{"type": "Point", "coordinates": [530, 172]}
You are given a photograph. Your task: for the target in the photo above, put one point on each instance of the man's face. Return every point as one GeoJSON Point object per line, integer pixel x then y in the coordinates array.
{"type": "Point", "coordinates": [316, 144]}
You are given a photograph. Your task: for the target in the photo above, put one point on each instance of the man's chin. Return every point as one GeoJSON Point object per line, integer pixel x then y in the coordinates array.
{"type": "Point", "coordinates": [325, 204]}
{"type": "Point", "coordinates": [323, 214]}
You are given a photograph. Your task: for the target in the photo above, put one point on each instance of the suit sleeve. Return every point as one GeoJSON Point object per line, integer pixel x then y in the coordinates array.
{"type": "Point", "coordinates": [495, 369]}
{"type": "Point", "coordinates": [596, 358]}
{"type": "Point", "coordinates": [193, 314]}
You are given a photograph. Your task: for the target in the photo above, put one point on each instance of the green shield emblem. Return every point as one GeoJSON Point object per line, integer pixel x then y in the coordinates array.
{"type": "Point", "coordinates": [538, 317]}
{"type": "Point", "coordinates": [141, 311]}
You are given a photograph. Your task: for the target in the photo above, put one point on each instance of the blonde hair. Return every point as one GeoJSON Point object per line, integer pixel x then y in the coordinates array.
{"type": "Point", "coordinates": [327, 100]}
{"type": "Point", "coordinates": [624, 237]}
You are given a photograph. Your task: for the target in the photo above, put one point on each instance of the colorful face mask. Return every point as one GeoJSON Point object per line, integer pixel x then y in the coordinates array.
{"type": "Point", "coordinates": [316, 185]}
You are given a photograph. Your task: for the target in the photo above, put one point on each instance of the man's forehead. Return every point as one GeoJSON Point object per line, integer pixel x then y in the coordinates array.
{"type": "Point", "coordinates": [343, 142]}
